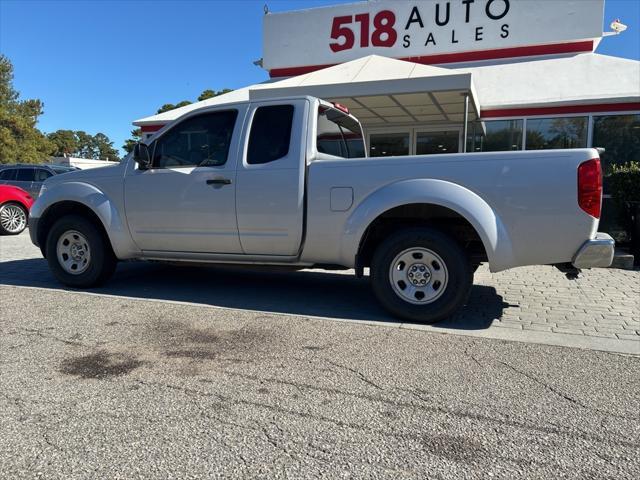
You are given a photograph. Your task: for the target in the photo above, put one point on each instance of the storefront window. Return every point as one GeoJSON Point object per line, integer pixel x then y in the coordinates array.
{"type": "Point", "coordinates": [561, 132]}
{"type": "Point", "coordinates": [495, 136]}
{"type": "Point", "coordinates": [389, 144]}
{"type": "Point", "coordinates": [619, 135]}
{"type": "Point", "coordinates": [428, 143]}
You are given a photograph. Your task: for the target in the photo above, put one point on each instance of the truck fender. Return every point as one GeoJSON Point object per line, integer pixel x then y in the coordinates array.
{"type": "Point", "coordinates": [466, 203]}
{"type": "Point", "coordinates": [99, 203]}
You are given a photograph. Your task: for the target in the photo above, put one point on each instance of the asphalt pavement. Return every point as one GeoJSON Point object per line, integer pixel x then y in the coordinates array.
{"type": "Point", "coordinates": [101, 387]}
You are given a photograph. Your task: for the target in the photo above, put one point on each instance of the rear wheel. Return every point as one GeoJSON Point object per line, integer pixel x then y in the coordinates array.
{"type": "Point", "coordinates": [13, 218]}
{"type": "Point", "coordinates": [421, 275]}
{"type": "Point", "coordinates": [79, 253]}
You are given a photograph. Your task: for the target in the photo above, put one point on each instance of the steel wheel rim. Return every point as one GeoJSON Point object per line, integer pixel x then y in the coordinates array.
{"type": "Point", "coordinates": [13, 218]}
{"type": "Point", "coordinates": [73, 252]}
{"type": "Point", "coordinates": [418, 276]}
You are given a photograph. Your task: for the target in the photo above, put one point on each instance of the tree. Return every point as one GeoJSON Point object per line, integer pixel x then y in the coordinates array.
{"type": "Point", "coordinates": [104, 147]}
{"type": "Point", "coordinates": [136, 136]}
{"type": "Point", "coordinates": [64, 142]}
{"type": "Point", "coordinates": [85, 147]}
{"type": "Point", "coordinates": [20, 140]}
{"type": "Point", "coordinates": [166, 107]}
{"type": "Point", "coordinates": [212, 93]}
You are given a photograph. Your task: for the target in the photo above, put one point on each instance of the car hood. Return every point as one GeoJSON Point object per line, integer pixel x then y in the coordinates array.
{"type": "Point", "coordinates": [87, 175]}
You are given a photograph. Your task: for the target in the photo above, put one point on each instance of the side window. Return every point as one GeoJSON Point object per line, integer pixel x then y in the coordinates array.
{"type": "Point", "coordinates": [8, 174]}
{"type": "Point", "coordinates": [42, 174]}
{"type": "Point", "coordinates": [199, 141]}
{"type": "Point", "coordinates": [339, 134]}
{"type": "Point", "coordinates": [270, 134]}
{"type": "Point", "coordinates": [25, 174]}
{"type": "Point", "coordinates": [330, 139]}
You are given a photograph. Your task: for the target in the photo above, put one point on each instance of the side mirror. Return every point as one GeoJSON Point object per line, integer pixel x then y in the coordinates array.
{"type": "Point", "coordinates": [141, 156]}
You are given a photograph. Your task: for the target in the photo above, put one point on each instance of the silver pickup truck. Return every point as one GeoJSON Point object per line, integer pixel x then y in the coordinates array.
{"type": "Point", "coordinates": [286, 182]}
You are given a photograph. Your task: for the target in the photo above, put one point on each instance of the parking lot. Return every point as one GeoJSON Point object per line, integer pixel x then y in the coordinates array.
{"type": "Point", "coordinates": [180, 371]}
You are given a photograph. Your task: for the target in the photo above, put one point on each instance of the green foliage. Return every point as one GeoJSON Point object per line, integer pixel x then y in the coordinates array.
{"type": "Point", "coordinates": [624, 182]}
{"type": "Point", "coordinates": [82, 145]}
{"type": "Point", "coordinates": [212, 93]}
{"type": "Point", "coordinates": [166, 107]}
{"type": "Point", "coordinates": [20, 140]}
{"type": "Point", "coordinates": [136, 136]}
{"type": "Point", "coordinates": [64, 142]}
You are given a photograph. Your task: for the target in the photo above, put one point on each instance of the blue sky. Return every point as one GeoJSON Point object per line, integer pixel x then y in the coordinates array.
{"type": "Point", "coordinates": [98, 65]}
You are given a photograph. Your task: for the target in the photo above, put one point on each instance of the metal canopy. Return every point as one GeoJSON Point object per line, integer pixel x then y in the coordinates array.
{"type": "Point", "coordinates": [383, 91]}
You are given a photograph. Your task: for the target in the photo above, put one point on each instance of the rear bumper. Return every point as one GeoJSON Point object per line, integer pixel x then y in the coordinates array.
{"type": "Point", "coordinates": [594, 253]}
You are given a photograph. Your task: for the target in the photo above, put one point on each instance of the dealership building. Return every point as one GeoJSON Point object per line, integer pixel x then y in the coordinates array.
{"type": "Point", "coordinates": [436, 76]}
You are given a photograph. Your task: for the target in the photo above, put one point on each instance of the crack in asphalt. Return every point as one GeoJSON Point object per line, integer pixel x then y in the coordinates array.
{"type": "Point", "coordinates": [562, 394]}
{"type": "Point", "coordinates": [428, 406]}
{"type": "Point", "coordinates": [358, 374]}
{"type": "Point", "coordinates": [38, 332]}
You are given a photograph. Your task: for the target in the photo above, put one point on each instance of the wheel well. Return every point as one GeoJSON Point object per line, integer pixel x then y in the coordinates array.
{"type": "Point", "coordinates": [416, 215]}
{"type": "Point", "coordinates": [59, 210]}
{"type": "Point", "coordinates": [16, 202]}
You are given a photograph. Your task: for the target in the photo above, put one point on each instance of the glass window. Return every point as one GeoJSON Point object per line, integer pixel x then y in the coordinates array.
{"type": "Point", "coordinates": [339, 134]}
{"type": "Point", "coordinates": [199, 141]}
{"type": "Point", "coordinates": [270, 134]}
{"type": "Point", "coordinates": [428, 143]}
{"type": "Point", "coordinates": [619, 135]}
{"type": "Point", "coordinates": [495, 136]}
{"type": "Point", "coordinates": [389, 144]}
{"type": "Point", "coordinates": [42, 174]}
{"type": "Point", "coordinates": [8, 174]}
{"type": "Point", "coordinates": [561, 132]}
{"type": "Point", "coordinates": [25, 174]}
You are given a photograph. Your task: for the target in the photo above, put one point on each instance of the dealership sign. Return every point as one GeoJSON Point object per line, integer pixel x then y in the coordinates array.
{"type": "Point", "coordinates": [428, 31]}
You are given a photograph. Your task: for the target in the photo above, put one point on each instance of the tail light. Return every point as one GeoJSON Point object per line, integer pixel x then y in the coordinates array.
{"type": "Point", "coordinates": [590, 187]}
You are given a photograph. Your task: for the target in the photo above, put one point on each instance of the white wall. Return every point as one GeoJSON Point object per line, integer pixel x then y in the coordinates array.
{"type": "Point", "coordinates": [81, 163]}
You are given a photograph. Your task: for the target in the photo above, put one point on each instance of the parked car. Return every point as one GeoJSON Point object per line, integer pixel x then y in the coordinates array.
{"type": "Point", "coordinates": [15, 204]}
{"type": "Point", "coordinates": [30, 177]}
{"type": "Point", "coordinates": [274, 183]}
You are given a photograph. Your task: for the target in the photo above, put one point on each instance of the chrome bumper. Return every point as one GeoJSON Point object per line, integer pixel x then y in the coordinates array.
{"type": "Point", "coordinates": [594, 253]}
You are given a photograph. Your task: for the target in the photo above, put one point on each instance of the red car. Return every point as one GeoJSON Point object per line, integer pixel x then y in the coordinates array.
{"type": "Point", "coordinates": [14, 209]}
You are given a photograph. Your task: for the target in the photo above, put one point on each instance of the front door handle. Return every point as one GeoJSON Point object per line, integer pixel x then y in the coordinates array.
{"type": "Point", "coordinates": [219, 181]}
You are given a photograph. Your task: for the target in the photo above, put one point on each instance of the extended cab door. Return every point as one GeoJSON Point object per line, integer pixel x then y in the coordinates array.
{"type": "Point", "coordinates": [271, 178]}
{"type": "Point", "coordinates": [186, 201]}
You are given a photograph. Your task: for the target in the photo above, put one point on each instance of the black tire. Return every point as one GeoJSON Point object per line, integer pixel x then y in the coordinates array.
{"type": "Point", "coordinates": [25, 212]}
{"type": "Point", "coordinates": [459, 275]}
{"type": "Point", "coordinates": [102, 261]}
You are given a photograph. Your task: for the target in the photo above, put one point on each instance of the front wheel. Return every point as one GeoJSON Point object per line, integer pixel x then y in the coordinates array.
{"type": "Point", "coordinates": [13, 218]}
{"type": "Point", "coordinates": [421, 275]}
{"type": "Point", "coordinates": [78, 252]}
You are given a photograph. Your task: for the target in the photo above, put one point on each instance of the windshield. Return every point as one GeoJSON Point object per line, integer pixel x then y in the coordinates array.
{"type": "Point", "coordinates": [339, 134]}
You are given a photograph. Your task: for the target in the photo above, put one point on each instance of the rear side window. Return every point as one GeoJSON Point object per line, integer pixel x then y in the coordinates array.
{"type": "Point", "coordinates": [42, 174]}
{"type": "Point", "coordinates": [330, 139]}
{"type": "Point", "coordinates": [270, 134]}
{"type": "Point", "coordinates": [8, 174]}
{"type": "Point", "coordinates": [339, 134]}
{"type": "Point", "coordinates": [25, 175]}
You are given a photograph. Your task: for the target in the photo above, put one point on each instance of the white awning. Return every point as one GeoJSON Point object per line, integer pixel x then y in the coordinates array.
{"type": "Point", "coordinates": [380, 90]}
{"type": "Point", "coordinates": [384, 91]}
{"type": "Point", "coordinates": [376, 89]}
